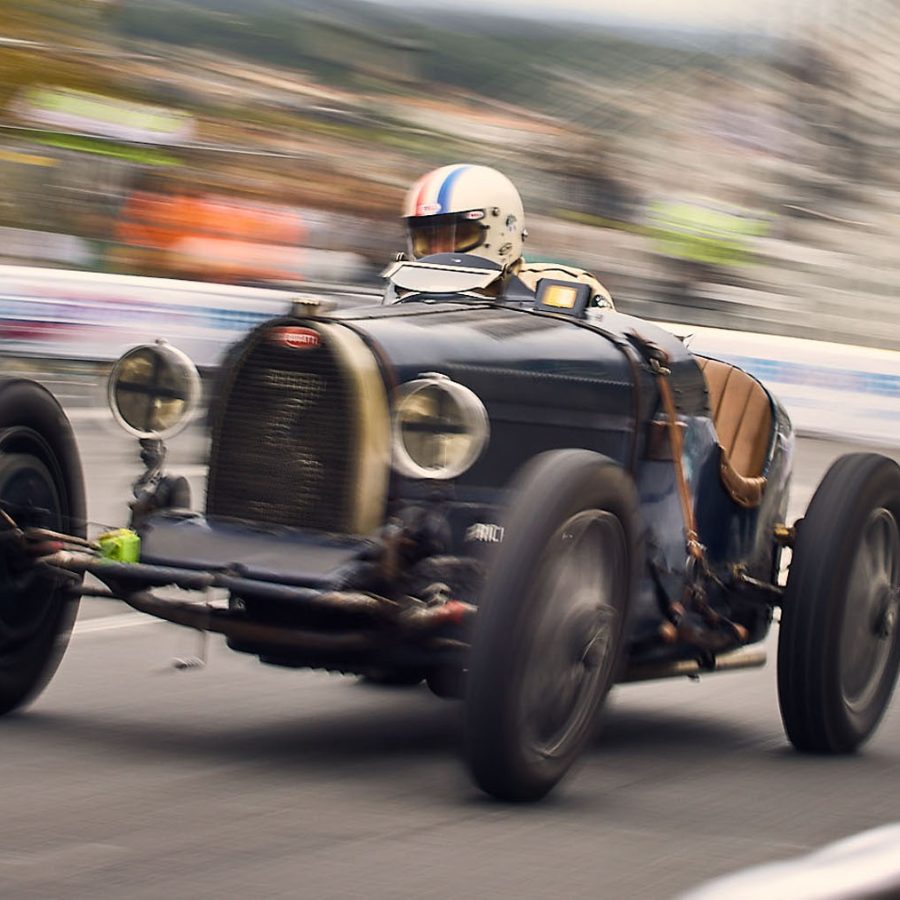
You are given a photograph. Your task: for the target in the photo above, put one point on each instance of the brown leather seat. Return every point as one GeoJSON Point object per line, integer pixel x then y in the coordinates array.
{"type": "Point", "coordinates": [742, 414]}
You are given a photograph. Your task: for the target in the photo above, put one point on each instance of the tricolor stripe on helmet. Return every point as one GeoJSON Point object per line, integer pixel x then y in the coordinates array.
{"type": "Point", "coordinates": [434, 192]}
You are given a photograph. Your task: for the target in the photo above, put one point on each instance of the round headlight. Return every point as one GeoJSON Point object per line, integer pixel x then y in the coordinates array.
{"type": "Point", "coordinates": [440, 428]}
{"type": "Point", "coordinates": [153, 389]}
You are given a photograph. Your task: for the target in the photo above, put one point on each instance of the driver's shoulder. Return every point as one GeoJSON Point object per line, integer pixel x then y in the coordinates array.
{"type": "Point", "coordinates": [531, 273]}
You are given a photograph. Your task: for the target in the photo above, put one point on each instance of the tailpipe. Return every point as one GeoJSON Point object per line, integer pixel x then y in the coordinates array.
{"type": "Point", "coordinates": [742, 658]}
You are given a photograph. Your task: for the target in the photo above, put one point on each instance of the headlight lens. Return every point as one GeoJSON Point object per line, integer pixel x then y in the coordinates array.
{"type": "Point", "coordinates": [440, 428]}
{"type": "Point", "coordinates": [153, 389]}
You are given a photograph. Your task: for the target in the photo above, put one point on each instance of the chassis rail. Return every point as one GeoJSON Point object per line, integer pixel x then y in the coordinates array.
{"type": "Point", "coordinates": [415, 625]}
{"type": "Point", "coordinates": [415, 622]}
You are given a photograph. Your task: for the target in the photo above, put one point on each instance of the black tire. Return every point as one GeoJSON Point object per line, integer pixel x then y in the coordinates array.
{"type": "Point", "coordinates": [446, 682]}
{"type": "Point", "coordinates": [40, 485]}
{"type": "Point", "coordinates": [542, 662]}
{"type": "Point", "coordinates": [839, 644]}
{"type": "Point", "coordinates": [385, 676]}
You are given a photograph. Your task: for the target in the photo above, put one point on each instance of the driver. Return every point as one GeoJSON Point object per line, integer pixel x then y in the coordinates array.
{"type": "Point", "coordinates": [477, 210]}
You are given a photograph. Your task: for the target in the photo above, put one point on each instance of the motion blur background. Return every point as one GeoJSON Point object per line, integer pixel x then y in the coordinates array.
{"type": "Point", "coordinates": [732, 165]}
{"type": "Point", "coordinates": [738, 172]}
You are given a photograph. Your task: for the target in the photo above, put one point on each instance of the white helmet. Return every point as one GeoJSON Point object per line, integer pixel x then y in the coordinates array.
{"type": "Point", "coordinates": [465, 209]}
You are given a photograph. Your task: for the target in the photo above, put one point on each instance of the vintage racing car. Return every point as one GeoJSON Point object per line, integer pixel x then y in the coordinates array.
{"type": "Point", "coordinates": [520, 496]}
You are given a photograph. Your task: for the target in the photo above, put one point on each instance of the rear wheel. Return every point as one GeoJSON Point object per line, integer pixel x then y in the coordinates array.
{"type": "Point", "coordinates": [551, 622]}
{"type": "Point", "coordinates": [839, 645]}
{"type": "Point", "coordinates": [40, 485]}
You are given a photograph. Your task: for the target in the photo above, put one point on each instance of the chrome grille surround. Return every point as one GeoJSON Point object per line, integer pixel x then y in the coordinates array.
{"type": "Point", "coordinates": [302, 431]}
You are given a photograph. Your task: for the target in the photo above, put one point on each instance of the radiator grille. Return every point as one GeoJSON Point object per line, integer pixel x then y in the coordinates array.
{"type": "Point", "coordinates": [285, 438]}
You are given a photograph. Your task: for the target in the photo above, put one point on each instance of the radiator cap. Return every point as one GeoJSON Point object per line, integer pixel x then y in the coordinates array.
{"type": "Point", "coordinates": [304, 307]}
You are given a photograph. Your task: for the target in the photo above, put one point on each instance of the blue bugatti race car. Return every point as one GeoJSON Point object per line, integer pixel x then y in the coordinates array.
{"type": "Point", "coordinates": [518, 496]}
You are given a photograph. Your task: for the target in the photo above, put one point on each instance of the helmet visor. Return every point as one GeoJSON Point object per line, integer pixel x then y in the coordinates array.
{"type": "Point", "coordinates": [452, 233]}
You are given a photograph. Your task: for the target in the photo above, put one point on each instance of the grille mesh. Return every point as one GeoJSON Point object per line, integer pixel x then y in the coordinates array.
{"type": "Point", "coordinates": [284, 439]}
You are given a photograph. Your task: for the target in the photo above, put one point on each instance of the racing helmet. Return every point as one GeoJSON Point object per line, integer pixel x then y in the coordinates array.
{"type": "Point", "coordinates": [465, 209]}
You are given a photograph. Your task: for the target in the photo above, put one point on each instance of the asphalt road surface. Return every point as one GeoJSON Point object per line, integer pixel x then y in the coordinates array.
{"type": "Point", "coordinates": [128, 778]}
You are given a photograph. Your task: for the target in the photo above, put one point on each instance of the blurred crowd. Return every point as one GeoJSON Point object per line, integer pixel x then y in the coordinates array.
{"type": "Point", "coordinates": [751, 186]}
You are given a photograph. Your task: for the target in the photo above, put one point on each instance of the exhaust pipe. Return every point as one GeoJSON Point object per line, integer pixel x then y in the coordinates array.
{"type": "Point", "coordinates": [742, 658]}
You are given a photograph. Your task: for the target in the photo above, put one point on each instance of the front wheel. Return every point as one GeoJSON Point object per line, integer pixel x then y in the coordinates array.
{"type": "Point", "coordinates": [839, 645]}
{"type": "Point", "coordinates": [551, 622]}
{"type": "Point", "coordinates": [40, 486]}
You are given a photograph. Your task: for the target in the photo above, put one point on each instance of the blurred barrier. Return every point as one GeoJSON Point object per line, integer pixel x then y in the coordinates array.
{"type": "Point", "coordinates": [829, 389]}
{"type": "Point", "coordinates": [833, 390]}
{"type": "Point", "coordinates": [60, 314]}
